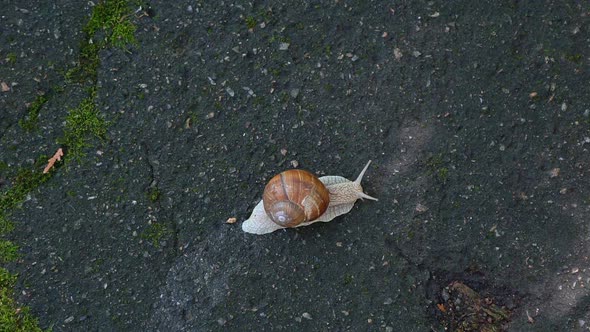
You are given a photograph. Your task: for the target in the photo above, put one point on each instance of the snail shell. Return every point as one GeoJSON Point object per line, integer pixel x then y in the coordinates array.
{"type": "Point", "coordinates": [342, 193]}
{"type": "Point", "coordinates": [294, 197]}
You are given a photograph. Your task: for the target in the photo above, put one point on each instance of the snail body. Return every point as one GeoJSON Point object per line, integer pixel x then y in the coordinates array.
{"type": "Point", "coordinates": [298, 198]}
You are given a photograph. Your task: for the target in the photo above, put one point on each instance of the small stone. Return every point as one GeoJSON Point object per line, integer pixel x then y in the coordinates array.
{"type": "Point", "coordinates": [421, 208]}
{"type": "Point", "coordinates": [294, 93]}
{"type": "Point", "coordinates": [416, 54]}
{"type": "Point", "coordinates": [564, 107]}
{"type": "Point", "coordinates": [294, 163]}
{"type": "Point", "coordinates": [221, 321]}
{"type": "Point", "coordinates": [284, 46]}
{"type": "Point", "coordinates": [554, 172]}
{"type": "Point", "coordinates": [306, 315]}
{"type": "Point", "coordinates": [388, 329]}
{"type": "Point", "coordinates": [345, 312]}
{"type": "Point", "coordinates": [230, 92]}
{"type": "Point", "coordinates": [388, 301]}
{"type": "Point", "coordinates": [69, 319]}
{"type": "Point", "coordinates": [231, 220]}
{"type": "Point", "coordinates": [210, 115]}
{"type": "Point", "coordinates": [284, 152]}
{"type": "Point", "coordinates": [397, 53]}
{"type": "Point", "coordinates": [354, 58]}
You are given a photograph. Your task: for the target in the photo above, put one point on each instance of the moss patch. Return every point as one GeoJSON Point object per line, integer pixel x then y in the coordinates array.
{"type": "Point", "coordinates": [29, 123]}
{"type": "Point", "coordinates": [110, 25]}
{"type": "Point", "coordinates": [82, 124]}
{"type": "Point", "coordinates": [12, 316]}
{"type": "Point", "coordinates": [155, 232]}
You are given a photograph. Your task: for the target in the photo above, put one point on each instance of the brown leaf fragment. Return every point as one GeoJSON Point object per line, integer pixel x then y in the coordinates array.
{"type": "Point", "coordinates": [554, 172]}
{"type": "Point", "coordinates": [56, 157]}
{"type": "Point", "coordinates": [231, 220]}
{"type": "Point", "coordinates": [5, 87]}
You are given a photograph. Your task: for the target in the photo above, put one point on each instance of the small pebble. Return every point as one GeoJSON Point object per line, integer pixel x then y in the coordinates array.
{"type": "Point", "coordinates": [284, 46]}
{"type": "Point", "coordinates": [294, 93]}
{"type": "Point", "coordinates": [306, 315]}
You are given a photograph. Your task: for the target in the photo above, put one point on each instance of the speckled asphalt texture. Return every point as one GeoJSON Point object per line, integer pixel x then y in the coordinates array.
{"type": "Point", "coordinates": [476, 115]}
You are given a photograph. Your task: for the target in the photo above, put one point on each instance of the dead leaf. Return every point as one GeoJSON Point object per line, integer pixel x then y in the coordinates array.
{"type": "Point", "coordinates": [441, 307]}
{"type": "Point", "coordinates": [231, 220]}
{"type": "Point", "coordinates": [554, 172]}
{"type": "Point", "coordinates": [5, 87]}
{"type": "Point", "coordinates": [56, 157]}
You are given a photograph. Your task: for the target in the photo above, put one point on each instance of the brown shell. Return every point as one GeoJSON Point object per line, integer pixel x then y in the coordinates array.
{"type": "Point", "coordinates": [294, 197]}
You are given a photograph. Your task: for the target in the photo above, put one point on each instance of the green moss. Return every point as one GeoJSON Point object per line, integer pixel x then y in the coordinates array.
{"type": "Point", "coordinates": [436, 168]}
{"type": "Point", "coordinates": [83, 124]}
{"type": "Point", "coordinates": [13, 317]}
{"type": "Point", "coordinates": [8, 251]}
{"type": "Point", "coordinates": [250, 22]}
{"type": "Point", "coordinates": [348, 278]}
{"type": "Point", "coordinates": [29, 123]}
{"type": "Point", "coordinates": [575, 58]}
{"type": "Point", "coordinates": [11, 58]}
{"type": "Point", "coordinates": [112, 18]}
{"type": "Point", "coordinates": [155, 232]}
{"type": "Point", "coordinates": [109, 25]}
{"type": "Point", "coordinates": [25, 181]}
{"type": "Point", "coordinates": [154, 194]}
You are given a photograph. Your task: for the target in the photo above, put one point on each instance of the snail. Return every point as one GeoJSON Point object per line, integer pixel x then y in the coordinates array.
{"type": "Point", "coordinates": [296, 198]}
